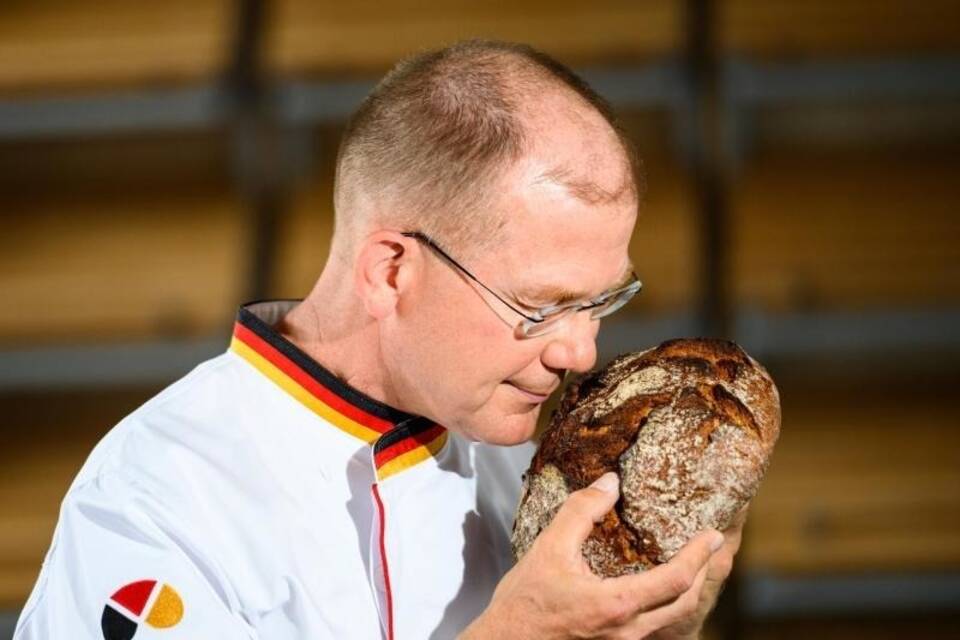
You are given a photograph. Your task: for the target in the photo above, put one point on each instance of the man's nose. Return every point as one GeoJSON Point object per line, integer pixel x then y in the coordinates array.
{"type": "Point", "coordinates": [573, 346]}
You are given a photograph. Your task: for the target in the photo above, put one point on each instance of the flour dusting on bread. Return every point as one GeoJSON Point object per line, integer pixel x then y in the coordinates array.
{"type": "Point", "coordinates": [689, 426]}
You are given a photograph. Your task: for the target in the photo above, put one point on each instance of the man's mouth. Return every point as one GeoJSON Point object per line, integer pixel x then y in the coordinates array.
{"type": "Point", "coordinates": [531, 395]}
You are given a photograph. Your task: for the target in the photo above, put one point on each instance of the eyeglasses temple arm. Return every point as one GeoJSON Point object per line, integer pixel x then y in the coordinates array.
{"type": "Point", "coordinates": [466, 272]}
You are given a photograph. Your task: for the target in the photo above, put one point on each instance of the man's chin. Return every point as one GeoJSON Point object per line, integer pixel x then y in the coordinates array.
{"type": "Point", "coordinates": [510, 430]}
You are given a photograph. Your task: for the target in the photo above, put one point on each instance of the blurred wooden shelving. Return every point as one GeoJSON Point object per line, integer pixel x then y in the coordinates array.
{"type": "Point", "coordinates": [367, 37]}
{"type": "Point", "coordinates": [846, 230]}
{"type": "Point", "coordinates": [55, 47]}
{"type": "Point", "coordinates": [128, 254]}
{"type": "Point", "coordinates": [835, 28]}
{"type": "Point", "coordinates": [863, 479]}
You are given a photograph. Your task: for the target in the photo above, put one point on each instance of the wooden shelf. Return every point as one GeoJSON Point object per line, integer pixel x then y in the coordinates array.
{"type": "Point", "coordinates": [304, 239]}
{"type": "Point", "coordinates": [822, 28]}
{"type": "Point", "coordinates": [862, 479]}
{"type": "Point", "coordinates": [367, 37]}
{"type": "Point", "coordinates": [848, 230]}
{"type": "Point", "coordinates": [58, 46]}
{"type": "Point", "coordinates": [872, 627]}
{"type": "Point", "coordinates": [665, 246]}
{"type": "Point", "coordinates": [145, 265]}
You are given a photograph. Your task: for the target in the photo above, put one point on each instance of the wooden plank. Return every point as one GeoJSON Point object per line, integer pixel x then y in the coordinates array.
{"type": "Point", "coordinates": [126, 266]}
{"type": "Point", "coordinates": [16, 581]}
{"type": "Point", "coordinates": [304, 238]}
{"type": "Point", "coordinates": [665, 247]}
{"type": "Point", "coordinates": [860, 480]}
{"type": "Point", "coordinates": [55, 45]}
{"type": "Point", "coordinates": [847, 230]}
{"type": "Point", "coordinates": [785, 28]}
{"type": "Point", "coordinates": [369, 36]}
{"type": "Point", "coordinates": [111, 166]}
{"type": "Point", "coordinates": [893, 626]}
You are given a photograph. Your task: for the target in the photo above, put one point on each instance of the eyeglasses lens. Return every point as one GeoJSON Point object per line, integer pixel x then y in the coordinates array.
{"type": "Point", "coordinates": [551, 321]}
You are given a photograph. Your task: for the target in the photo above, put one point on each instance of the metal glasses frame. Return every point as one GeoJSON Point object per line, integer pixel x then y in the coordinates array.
{"type": "Point", "coordinates": [620, 296]}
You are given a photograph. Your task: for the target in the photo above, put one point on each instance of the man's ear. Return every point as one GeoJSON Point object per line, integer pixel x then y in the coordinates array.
{"type": "Point", "coordinates": [381, 272]}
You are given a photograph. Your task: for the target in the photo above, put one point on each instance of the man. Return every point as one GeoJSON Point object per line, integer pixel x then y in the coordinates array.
{"type": "Point", "coordinates": [349, 468]}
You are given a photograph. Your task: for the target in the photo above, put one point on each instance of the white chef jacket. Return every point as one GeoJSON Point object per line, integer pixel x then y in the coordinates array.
{"type": "Point", "coordinates": [261, 497]}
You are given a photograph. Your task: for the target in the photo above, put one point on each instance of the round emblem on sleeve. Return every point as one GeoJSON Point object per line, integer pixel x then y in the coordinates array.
{"type": "Point", "coordinates": [154, 603]}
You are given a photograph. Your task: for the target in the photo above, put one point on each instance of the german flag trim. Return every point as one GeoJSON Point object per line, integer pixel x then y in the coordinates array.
{"type": "Point", "coordinates": [400, 440]}
{"type": "Point", "coordinates": [407, 445]}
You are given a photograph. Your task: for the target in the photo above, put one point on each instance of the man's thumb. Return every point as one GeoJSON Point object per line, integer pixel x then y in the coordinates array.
{"type": "Point", "coordinates": [608, 482]}
{"type": "Point", "coordinates": [582, 509]}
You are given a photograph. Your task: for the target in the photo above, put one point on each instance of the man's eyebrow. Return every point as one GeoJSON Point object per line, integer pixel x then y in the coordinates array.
{"type": "Point", "coordinates": [552, 294]}
{"type": "Point", "coordinates": [555, 294]}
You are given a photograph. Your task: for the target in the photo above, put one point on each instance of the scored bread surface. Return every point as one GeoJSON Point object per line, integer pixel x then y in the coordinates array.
{"type": "Point", "coordinates": [688, 426]}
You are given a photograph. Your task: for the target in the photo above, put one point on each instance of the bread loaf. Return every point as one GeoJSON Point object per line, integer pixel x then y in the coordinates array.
{"type": "Point", "coordinates": [688, 426]}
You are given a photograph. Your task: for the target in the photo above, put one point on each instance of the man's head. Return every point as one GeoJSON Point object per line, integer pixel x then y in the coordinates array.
{"type": "Point", "coordinates": [518, 170]}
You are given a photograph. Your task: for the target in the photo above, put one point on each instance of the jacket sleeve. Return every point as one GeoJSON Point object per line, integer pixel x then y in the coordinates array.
{"type": "Point", "coordinates": [119, 563]}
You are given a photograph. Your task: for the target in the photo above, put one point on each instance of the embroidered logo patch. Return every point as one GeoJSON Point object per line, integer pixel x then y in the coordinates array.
{"type": "Point", "coordinates": [156, 604]}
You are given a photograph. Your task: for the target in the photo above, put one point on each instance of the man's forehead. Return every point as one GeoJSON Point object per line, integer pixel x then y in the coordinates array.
{"type": "Point", "coordinates": [586, 188]}
{"type": "Point", "coordinates": [578, 151]}
{"type": "Point", "coordinates": [565, 248]}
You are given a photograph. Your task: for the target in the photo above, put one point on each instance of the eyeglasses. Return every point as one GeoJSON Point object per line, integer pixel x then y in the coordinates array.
{"type": "Point", "coordinates": [547, 318]}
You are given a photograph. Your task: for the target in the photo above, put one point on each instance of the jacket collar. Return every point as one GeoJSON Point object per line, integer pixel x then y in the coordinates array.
{"type": "Point", "coordinates": [399, 439]}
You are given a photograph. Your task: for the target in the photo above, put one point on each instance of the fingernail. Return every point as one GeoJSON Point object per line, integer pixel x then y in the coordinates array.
{"type": "Point", "coordinates": [607, 482]}
{"type": "Point", "coordinates": [717, 541]}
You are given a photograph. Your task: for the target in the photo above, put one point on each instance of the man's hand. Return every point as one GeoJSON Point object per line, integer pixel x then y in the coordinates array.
{"type": "Point", "coordinates": [718, 569]}
{"type": "Point", "coordinates": [552, 594]}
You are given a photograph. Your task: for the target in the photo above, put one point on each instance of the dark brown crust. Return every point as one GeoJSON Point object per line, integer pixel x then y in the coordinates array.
{"type": "Point", "coordinates": [707, 384]}
{"type": "Point", "coordinates": [584, 452]}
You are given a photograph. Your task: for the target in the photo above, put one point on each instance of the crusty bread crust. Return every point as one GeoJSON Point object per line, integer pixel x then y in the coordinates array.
{"type": "Point", "coordinates": [689, 427]}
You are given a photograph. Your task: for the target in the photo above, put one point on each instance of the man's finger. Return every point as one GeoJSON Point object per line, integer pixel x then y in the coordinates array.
{"type": "Point", "coordinates": [575, 519]}
{"type": "Point", "coordinates": [666, 582]}
{"type": "Point", "coordinates": [673, 612]}
{"type": "Point", "coordinates": [734, 532]}
{"type": "Point", "coordinates": [739, 519]}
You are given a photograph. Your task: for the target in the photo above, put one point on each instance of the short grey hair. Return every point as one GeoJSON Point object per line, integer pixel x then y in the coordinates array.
{"type": "Point", "coordinates": [437, 131]}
